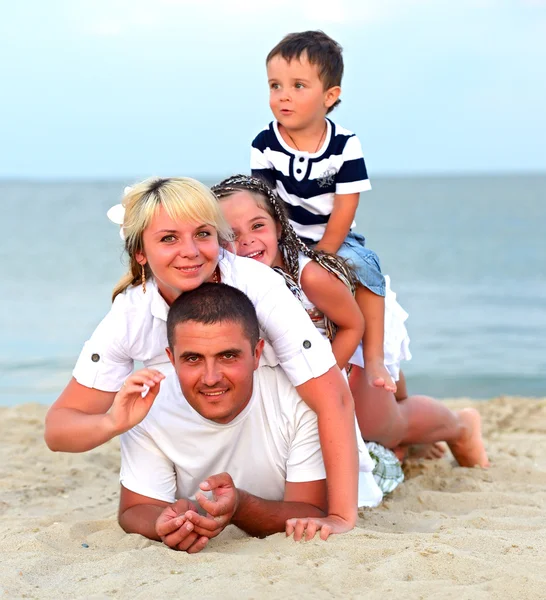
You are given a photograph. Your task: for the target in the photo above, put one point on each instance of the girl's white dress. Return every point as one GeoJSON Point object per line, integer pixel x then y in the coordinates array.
{"type": "Point", "coordinates": [396, 342]}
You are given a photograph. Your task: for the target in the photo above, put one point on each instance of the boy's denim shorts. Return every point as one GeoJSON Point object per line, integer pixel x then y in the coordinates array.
{"type": "Point", "coordinates": [364, 262]}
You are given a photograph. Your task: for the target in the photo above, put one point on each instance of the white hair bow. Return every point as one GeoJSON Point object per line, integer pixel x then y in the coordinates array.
{"type": "Point", "coordinates": [116, 214]}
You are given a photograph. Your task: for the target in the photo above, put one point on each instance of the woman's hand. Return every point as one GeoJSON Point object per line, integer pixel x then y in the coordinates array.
{"type": "Point", "coordinates": [134, 400]}
{"type": "Point", "coordinates": [309, 527]}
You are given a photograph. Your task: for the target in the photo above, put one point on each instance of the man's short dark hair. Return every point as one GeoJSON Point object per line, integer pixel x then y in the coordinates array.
{"type": "Point", "coordinates": [214, 303]}
{"type": "Point", "coordinates": [321, 50]}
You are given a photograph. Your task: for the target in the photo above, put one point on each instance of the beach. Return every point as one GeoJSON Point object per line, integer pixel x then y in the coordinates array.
{"type": "Point", "coordinates": [447, 532]}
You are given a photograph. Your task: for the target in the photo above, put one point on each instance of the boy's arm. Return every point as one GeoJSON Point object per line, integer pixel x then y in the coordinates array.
{"type": "Point", "coordinates": [339, 223]}
{"type": "Point", "coordinates": [351, 179]}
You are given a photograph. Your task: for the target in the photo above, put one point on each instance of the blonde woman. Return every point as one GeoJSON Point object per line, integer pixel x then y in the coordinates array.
{"type": "Point", "coordinates": [176, 239]}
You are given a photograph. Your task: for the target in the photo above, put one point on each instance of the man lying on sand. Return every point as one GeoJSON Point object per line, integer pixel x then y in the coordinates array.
{"type": "Point", "coordinates": [225, 441]}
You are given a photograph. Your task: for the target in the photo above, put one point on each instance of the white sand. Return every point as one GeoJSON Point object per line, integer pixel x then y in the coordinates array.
{"type": "Point", "coordinates": [447, 532]}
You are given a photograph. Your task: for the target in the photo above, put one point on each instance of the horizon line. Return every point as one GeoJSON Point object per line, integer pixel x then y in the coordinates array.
{"type": "Point", "coordinates": [205, 177]}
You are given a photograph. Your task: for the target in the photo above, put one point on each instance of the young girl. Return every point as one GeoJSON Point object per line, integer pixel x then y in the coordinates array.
{"type": "Point", "coordinates": [263, 233]}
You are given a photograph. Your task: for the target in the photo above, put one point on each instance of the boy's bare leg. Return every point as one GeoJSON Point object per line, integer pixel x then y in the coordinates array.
{"type": "Point", "coordinates": [416, 420]}
{"type": "Point", "coordinates": [372, 307]}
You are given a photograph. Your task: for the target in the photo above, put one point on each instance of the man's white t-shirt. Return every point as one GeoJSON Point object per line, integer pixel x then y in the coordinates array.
{"type": "Point", "coordinates": [273, 440]}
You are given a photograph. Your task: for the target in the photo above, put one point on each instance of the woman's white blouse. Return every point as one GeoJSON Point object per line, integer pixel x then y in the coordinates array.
{"type": "Point", "coordinates": [135, 330]}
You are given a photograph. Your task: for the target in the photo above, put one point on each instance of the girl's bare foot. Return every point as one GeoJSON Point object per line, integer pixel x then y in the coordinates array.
{"type": "Point", "coordinates": [469, 450]}
{"type": "Point", "coordinates": [401, 453]}
{"type": "Point", "coordinates": [378, 376]}
{"type": "Point", "coordinates": [433, 451]}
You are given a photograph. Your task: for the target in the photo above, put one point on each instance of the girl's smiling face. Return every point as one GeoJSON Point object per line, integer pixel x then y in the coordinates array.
{"type": "Point", "coordinates": [256, 232]}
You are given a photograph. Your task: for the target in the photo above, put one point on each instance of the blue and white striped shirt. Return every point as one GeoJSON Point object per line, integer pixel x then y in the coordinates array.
{"type": "Point", "coordinates": [307, 182]}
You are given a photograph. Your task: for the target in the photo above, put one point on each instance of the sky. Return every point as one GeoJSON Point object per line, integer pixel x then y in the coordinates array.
{"type": "Point", "coordinates": [109, 89]}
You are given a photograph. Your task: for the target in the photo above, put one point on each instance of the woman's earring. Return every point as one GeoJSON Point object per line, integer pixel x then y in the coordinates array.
{"type": "Point", "coordinates": [143, 278]}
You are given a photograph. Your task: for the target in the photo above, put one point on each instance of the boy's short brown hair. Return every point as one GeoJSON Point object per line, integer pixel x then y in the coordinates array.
{"type": "Point", "coordinates": [321, 50]}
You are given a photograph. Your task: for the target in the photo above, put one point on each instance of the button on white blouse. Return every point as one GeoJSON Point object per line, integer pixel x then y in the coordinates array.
{"type": "Point", "coordinates": [135, 330]}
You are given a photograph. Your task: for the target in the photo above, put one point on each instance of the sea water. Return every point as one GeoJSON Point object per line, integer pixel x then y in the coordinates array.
{"type": "Point", "coordinates": [466, 257]}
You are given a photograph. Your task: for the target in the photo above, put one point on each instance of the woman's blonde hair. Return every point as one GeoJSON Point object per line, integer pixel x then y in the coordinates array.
{"type": "Point", "coordinates": [183, 199]}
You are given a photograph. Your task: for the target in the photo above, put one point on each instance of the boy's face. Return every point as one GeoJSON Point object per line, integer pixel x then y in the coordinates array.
{"type": "Point", "coordinates": [297, 96]}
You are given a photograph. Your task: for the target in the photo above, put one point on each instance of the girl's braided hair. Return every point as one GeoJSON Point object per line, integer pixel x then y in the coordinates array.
{"type": "Point", "coordinates": [289, 243]}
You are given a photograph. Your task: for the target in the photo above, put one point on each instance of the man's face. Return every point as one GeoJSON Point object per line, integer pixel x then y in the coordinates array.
{"type": "Point", "coordinates": [215, 365]}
